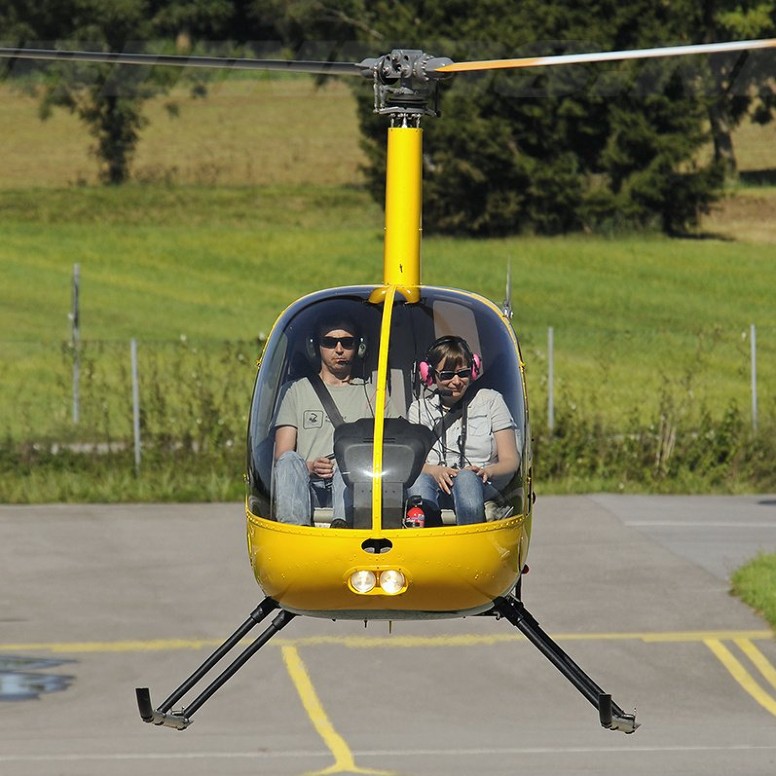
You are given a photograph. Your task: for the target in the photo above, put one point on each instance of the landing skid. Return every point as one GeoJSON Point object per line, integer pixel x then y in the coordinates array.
{"type": "Point", "coordinates": [610, 714]}
{"type": "Point", "coordinates": [509, 607]}
{"type": "Point", "coordinates": [181, 719]}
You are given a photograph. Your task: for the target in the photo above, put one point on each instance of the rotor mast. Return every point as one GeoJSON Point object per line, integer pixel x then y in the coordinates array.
{"type": "Point", "coordinates": [406, 89]}
{"type": "Point", "coordinates": [403, 208]}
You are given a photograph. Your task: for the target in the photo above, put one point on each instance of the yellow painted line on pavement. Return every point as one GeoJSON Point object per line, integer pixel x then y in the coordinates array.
{"type": "Point", "coordinates": [369, 642]}
{"type": "Point", "coordinates": [475, 639]}
{"type": "Point", "coordinates": [758, 660]}
{"type": "Point", "coordinates": [741, 675]}
{"type": "Point", "coordinates": [151, 645]}
{"type": "Point", "coordinates": [344, 762]}
{"type": "Point", "coordinates": [705, 635]}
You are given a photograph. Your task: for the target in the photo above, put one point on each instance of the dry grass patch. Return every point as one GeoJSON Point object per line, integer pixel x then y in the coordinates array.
{"type": "Point", "coordinates": [748, 216]}
{"type": "Point", "coordinates": [245, 132]}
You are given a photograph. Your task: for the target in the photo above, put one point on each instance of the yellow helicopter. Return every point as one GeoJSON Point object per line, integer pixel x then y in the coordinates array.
{"type": "Point", "coordinates": [377, 563]}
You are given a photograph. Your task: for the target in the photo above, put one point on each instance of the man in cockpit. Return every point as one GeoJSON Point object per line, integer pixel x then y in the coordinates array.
{"type": "Point", "coordinates": [305, 471]}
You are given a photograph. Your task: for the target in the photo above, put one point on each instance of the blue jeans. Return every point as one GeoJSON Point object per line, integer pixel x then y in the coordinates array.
{"type": "Point", "coordinates": [468, 497]}
{"type": "Point", "coordinates": [296, 494]}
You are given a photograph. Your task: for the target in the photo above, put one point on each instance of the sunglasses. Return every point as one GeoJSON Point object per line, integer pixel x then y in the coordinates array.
{"type": "Point", "coordinates": [331, 342]}
{"type": "Point", "coordinates": [449, 374]}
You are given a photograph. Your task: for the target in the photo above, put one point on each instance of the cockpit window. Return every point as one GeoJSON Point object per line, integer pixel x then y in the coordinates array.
{"type": "Point", "coordinates": [326, 348]}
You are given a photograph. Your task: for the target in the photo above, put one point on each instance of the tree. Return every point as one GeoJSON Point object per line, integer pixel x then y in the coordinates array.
{"type": "Point", "coordinates": [549, 150]}
{"type": "Point", "coordinates": [737, 85]}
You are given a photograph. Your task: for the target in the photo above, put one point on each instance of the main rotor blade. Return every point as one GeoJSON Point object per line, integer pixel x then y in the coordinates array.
{"type": "Point", "coordinates": [607, 56]}
{"type": "Point", "coordinates": [229, 63]}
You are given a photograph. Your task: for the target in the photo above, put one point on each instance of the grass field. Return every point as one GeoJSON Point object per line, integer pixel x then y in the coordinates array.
{"type": "Point", "coordinates": [157, 264]}
{"type": "Point", "coordinates": [251, 198]}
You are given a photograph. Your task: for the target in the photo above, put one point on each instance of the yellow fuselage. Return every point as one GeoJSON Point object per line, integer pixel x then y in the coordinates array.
{"type": "Point", "coordinates": [449, 571]}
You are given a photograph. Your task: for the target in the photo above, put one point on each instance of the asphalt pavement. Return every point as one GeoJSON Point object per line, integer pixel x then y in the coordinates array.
{"type": "Point", "coordinates": [97, 600]}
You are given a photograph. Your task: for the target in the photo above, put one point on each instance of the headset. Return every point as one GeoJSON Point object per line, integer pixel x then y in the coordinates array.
{"type": "Point", "coordinates": [426, 367]}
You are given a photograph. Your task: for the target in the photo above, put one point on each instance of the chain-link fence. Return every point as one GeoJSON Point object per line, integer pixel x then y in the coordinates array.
{"type": "Point", "coordinates": [192, 393]}
{"type": "Point", "coordinates": [201, 389]}
{"type": "Point", "coordinates": [601, 400]}
{"type": "Point", "coordinates": [619, 373]}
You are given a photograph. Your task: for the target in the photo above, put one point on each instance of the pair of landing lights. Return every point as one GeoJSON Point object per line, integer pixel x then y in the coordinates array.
{"type": "Point", "coordinates": [387, 582]}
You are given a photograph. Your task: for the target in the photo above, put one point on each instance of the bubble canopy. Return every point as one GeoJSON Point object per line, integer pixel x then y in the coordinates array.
{"type": "Point", "coordinates": [388, 345]}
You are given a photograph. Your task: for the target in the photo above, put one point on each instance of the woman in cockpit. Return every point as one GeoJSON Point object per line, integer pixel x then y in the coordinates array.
{"type": "Point", "coordinates": [475, 453]}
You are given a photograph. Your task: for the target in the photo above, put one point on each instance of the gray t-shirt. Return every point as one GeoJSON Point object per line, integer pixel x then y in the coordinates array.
{"type": "Point", "coordinates": [301, 408]}
{"type": "Point", "coordinates": [486, 413]}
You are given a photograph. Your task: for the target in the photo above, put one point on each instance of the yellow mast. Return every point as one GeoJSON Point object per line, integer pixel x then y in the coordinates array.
{"type": "Point", "coordinates": [403, 210]}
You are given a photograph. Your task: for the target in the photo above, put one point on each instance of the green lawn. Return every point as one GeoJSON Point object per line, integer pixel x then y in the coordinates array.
{"type": "Point", "coordinates": [755, 584]}
{"type": "Point", "coordinates": [158, 263]}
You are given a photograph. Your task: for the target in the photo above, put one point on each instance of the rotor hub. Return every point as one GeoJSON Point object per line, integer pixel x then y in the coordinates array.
{"type": "Point", "coordinates": [406, 83]}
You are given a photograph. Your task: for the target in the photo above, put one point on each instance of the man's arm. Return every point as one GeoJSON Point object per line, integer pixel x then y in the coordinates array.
{"type": "Point", "coordinates": [285, 440]}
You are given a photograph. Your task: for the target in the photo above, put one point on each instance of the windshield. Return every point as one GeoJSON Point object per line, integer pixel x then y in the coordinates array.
{"type": "Point", "coordinates": [316, 436]}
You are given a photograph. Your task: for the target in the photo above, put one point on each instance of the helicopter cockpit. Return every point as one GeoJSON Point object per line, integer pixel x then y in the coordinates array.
{"type": "Point", "coordinates": [393, 337]}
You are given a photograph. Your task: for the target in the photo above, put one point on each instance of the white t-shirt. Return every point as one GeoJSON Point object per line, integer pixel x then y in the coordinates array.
{"type": "Point", "coordinates": [486, 413]}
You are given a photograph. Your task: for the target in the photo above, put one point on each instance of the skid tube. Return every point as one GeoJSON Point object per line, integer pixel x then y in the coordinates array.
{"type": "Point", "coordinates": [610, 714]}
{"type": "Point", "coordinates": [181, 719]}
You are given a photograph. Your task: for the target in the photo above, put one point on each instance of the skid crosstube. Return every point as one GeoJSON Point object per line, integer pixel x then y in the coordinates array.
{"type": "Point", "coordinates": [181, 719]}
{"type": "Point", "coordinates": [610, 714]}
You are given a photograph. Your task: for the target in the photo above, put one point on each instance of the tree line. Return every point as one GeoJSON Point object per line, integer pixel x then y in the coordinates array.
{"type": "Point", "coordinates": [552, 150]}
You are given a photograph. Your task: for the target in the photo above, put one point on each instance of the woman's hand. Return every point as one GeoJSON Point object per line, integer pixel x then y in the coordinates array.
{"type": "Point", "coordinates": [480, 472]}
{"type": "Point", "coordinates": [443, 476]}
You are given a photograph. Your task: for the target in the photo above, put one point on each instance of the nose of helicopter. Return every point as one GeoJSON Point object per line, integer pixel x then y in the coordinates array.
{"type": "Point", "coordinates": [396, 574]}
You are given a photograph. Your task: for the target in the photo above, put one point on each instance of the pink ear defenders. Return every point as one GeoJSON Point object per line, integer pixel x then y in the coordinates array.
{"type": "Point", "coordinates": [426, 368]}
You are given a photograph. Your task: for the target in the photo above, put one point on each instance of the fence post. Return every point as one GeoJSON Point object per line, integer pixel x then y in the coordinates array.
{"type": "Point", "coordinates": [76, 342]}
{"type": "Point", "coordinates": [135, 403]}
{"type": "Point", "coordinates": [550, 379]}
{"type": "Point", "coordinates": [753, 349]}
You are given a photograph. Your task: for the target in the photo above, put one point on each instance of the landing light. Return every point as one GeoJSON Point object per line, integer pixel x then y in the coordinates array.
{"type": "Point", "coordinates": [363, 581]}
{"type": "Point", "coordinates": [392, 581]}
